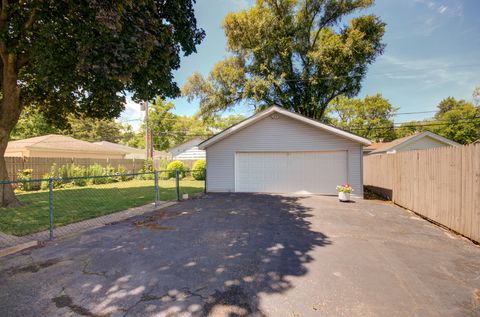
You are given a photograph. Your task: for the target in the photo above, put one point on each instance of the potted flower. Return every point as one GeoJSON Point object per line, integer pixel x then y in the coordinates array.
{"type": "Point", "coordinates": [344, 192]}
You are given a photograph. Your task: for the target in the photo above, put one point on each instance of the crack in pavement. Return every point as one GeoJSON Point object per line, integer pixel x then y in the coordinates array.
{"type": "Point", "coordinates": [63, 300]}
{"type": "Point", "coordinates": [34, 267]}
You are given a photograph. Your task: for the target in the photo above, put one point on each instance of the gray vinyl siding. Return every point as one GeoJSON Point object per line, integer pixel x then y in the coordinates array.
{"type": "Point", "coordinates": [191, 145]}
{"type": "Point", "coordinates": [276, 135]}
{"type": "Point", "coordinates": [191, 154]}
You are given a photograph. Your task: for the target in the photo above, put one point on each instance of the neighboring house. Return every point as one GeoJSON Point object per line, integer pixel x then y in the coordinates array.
{"type": "Point", "coordinates": [372, 147]}
{"type": "Point", "coordinates": [419, 141]}
{"type": "Point", "coordinates": [278, 151]}
{"type": "Point", "coordinates": [131, 152]}
{"type": "Point", "coordinates": [54, 145]}
{"type": "Point", "coordinates": [188, 151]}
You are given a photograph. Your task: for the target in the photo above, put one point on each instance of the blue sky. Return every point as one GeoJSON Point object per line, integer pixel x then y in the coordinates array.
{"type": "Point", "coordinates": [433, 51]}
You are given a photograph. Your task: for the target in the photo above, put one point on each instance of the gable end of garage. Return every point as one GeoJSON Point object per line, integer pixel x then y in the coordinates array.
{"type": "Point", "coordinates": [274, 135]}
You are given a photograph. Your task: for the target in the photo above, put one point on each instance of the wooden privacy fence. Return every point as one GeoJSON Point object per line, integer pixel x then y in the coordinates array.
{"type": "Point", "coordinates": [42, 165]}
{"type": "Point", "coordinates": [442, 184]}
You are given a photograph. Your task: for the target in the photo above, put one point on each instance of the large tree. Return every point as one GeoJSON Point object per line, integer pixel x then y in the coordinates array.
{"type": "Point", "coordinates": [370, 117]}
{"type": "Point", "coordinates": [161, 121]}
{"type": "Point", "coordinates": [169, 129]}
{"type": "Point", "coordinates": [33, 123]}
{"type": "Point", "coordinates": [80, 57]}
{"type": "Point", "coordinates": [293, 53]}
{"type": "Point", "coordinates": [94, 130]}
{"type": "Point", "coordinates": [458, 120]}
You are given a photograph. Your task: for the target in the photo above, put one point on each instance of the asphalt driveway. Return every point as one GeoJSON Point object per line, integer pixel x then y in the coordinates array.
{"type": "Point", "coordinates": [250, 255]}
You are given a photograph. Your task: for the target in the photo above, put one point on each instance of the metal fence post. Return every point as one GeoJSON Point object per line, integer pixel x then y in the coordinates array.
{"type": "Point", "coordinates": [205, 181]}
{"type": "Point", "coordinates": [157, 194]}
{"type": "Point", "coordinates": [50, 204]}
{"type": "Point", "coordinates": [177, 184]}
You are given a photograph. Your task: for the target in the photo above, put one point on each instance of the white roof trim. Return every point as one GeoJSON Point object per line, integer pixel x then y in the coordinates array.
{"type": "Point", "coordinates": [258, 116]}
{"type": "Point", "coordinates": [194, 144]}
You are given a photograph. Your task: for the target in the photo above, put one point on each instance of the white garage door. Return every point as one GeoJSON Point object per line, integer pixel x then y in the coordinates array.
{"type": "Point", "coordinates": [290, 172]}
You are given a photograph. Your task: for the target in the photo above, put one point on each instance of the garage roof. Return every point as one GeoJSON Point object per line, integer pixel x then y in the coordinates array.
{"type": "Point", "coordinates": [274, 109]}
{"type": "Point", "coordinates": [55, 142]}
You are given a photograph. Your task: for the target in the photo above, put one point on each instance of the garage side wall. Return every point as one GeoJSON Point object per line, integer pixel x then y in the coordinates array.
{"type": "Point", "coordinates": [276, 135]}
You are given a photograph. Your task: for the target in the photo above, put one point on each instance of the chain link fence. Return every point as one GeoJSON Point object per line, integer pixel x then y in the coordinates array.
{"type": "Point", "coordinates": [54, 207]}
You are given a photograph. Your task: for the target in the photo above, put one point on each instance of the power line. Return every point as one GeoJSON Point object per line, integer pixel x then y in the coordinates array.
{"type": "Point", "coordinates": [175, 119]}
{"type": "Point", "coordinates": [414, 112]}
{"type": "Point", "coordinates": [129, 120]}
{"type": "Point", "coordinates": [413, 125]}
{"type": "Point", "coordinates": [399, 125]}
{"type": "Point", "coordinates": [396, 125]}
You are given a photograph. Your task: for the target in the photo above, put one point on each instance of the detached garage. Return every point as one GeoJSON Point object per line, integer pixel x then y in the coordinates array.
{"type": "Point", "coordinates": [278, 151]}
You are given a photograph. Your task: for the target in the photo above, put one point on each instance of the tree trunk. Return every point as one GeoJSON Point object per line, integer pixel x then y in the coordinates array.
{"type": "Point", "coordinates": [7, 196]}
{"type": "Point", "coordinates": [10, 109]}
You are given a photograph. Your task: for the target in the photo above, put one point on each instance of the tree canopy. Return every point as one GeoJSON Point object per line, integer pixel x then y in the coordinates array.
{"type": "Point", "coordinates": [169, 129]}
{"type": "Point", "coordinates": [33, 123]}
{"type": "Point", "coordinates": [80, 57]}
{"type": "Point", "coordinates": [458, 120]}
{"type": "Point", "coordinates": [291, 53]}
{"type": "Point", "coordinates": [370, 117]}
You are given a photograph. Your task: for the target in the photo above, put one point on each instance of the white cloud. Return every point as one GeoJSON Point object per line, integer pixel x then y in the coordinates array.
{"type": "Point", "coordinates": [444, 7]}
{"type": "Point", "coordinates": [132, 114]}
{"type": "Point", "coordinates": [429, 73]}
{"type": "Point", "coordinates": [438, 13]}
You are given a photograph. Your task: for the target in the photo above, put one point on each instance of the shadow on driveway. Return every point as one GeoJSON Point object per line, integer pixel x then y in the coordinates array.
{"type": "Point", "coordinates": [205, 257]}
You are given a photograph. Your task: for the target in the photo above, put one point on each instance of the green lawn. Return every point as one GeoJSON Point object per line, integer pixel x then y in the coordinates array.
{"type": "Point", "coordinates": [79, 203]}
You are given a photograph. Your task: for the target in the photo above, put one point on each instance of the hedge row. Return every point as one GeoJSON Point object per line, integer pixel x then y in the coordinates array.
{"type": "Point", "coordinates": [96, 170]}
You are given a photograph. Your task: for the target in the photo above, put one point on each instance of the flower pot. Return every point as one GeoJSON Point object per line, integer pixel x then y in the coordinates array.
{"type": "Point", "coordinates": [343, 196]}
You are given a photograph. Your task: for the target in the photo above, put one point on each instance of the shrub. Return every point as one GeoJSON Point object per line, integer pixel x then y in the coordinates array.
{"type": "Point", "coordinates": [97, 170]}
{"type": "Point", "coordinates": [44, 184]}
{"type": "Point", "coordinates": [162, 164]}
{"type": "Point", "coordinates": [176, 166]}
{"type": "Point", "coordinates": [122, 171]}
{"type": "Point", "coordinates": [110, 170]}
{"type": "Point", "coordinates": [147, 168]}
{"type": "Point", "coordinates": [78, 171]}
{"type": "Point", "coordinates": [72, 170]}
{"type": "Point", "coordinates": [26, 175]}
{"type": "Point", "coordinates": [149, 176]}
{"type": "Point", "coordinates": [198, 170]}
{"type": "Point", "coordinates": [54, 173]}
